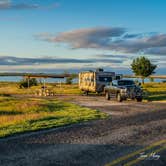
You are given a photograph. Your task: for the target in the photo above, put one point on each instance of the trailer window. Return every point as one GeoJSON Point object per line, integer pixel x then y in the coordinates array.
{"type": "Point", "coordinates": [89, 79]}
{"type": "Point", "coordinates": [105, 79]}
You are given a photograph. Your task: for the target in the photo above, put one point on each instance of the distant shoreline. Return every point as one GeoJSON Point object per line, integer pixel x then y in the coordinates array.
{"type": "Point", "coordinates": [57, 80]}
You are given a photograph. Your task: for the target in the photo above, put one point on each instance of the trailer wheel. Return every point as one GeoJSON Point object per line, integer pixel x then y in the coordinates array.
{"type": "Point", "coordinates": [107, 96]}
{"type": "Point", "coordinates": [86, 93]}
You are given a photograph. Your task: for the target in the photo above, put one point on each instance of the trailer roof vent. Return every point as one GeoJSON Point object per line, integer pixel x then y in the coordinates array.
{"type": "Point", "coordinates": [99, 70]}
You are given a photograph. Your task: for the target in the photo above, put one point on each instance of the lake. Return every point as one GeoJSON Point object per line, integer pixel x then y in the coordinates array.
{"type": "Point", "coordinates": [54, 80]}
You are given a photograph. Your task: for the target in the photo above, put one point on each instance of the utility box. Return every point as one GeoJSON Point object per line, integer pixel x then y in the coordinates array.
{"type": "Point", "coordinates": [95, 81]}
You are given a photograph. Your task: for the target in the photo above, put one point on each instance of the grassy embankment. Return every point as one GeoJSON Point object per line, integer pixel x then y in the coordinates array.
{"type": "Point", "coordinates": [25, 114]}
{"type": "Point", "coordinates": [155, 91]}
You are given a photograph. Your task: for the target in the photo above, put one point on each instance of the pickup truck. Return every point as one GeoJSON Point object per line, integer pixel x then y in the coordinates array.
{"type": "Point", "coordinates": [122, 90]}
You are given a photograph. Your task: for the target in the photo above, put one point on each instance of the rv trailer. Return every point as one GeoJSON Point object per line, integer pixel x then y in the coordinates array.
{"type": "Point", "coordinates": [95, 81]}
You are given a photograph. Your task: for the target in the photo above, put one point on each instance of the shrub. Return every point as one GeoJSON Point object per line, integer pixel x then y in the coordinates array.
{"type": "Point", "coordinates": [69, 80]}
{"type": "Point", "coordinates": [28, 82]}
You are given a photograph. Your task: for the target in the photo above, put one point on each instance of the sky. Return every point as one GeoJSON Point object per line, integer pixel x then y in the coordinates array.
{"type": "Point", "coordinates": [39, 35]}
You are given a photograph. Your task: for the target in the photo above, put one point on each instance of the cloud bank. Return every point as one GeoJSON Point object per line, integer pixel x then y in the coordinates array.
{"type": "Point", "coordinates": [110, 38]}
{"type": "Point", "coordinates": [16, 61]}
{"type": "Point", "coordinates": [49, 64]}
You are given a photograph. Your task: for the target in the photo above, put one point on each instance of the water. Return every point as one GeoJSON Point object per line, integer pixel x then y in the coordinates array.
{"type": "Point", "coordinates": [10, 79]}
{"type": "Point", "coordinates": [58, 80]}
{"type": "Point", "coordinates": [148, 80]}
{"type": "Point", "coordinates": [19, 78]}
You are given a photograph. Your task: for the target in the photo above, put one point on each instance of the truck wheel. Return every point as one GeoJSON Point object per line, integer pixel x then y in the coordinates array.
{"type": "Point", "coordinates": [107, 96]}
{"type": "Point", "coordinates": [119, 98]}
{"type": "Point", "coordinates": [139, 99]}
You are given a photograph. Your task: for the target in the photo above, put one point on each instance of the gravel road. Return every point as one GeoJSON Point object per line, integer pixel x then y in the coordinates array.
{"type": "Point", "coordinates": [131, 126]}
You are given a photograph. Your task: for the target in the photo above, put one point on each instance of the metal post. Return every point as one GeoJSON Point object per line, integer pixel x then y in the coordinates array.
{"type": "Point", "coordinates": [44, 86]}
{"type": "Point", "coordinates": [60, 84]}
{"type": "Point", "coordinates": [28, 82]}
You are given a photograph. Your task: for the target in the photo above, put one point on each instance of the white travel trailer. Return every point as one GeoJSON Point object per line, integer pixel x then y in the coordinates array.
{"type": "Point", "coordinates": [95, 81]}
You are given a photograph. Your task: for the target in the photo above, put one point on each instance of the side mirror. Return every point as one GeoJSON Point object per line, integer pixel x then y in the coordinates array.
{"type": "Point", "coordinates": [139, 84]}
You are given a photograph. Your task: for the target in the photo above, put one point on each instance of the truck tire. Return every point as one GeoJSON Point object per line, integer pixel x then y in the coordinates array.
{"type": "Point", "coordinates": [139, 99]}
{"type": "Point", "coordinates": [119, 98]}
{"type": "Point", "coordinates": [107, 96]}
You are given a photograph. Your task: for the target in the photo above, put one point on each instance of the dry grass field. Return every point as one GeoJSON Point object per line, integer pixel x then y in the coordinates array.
{"type": "Point", "coordinates": [21, 113]}
{"type": "Point", "coordinates": [10, 88]}
{"type": "Point", "coordinates": [155, 91]}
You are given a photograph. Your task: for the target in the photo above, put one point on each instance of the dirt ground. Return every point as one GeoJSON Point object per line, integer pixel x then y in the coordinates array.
{"type": "Point", "coordinates": [131, 126]}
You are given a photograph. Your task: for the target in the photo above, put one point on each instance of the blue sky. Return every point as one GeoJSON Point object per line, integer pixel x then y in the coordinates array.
{"type": "Point", "coordinates": [102, 33]}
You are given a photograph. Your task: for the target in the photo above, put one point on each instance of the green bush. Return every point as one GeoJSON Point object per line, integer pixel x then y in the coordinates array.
{"type": "Point", "coordinates": [69, 80]}
{"type": "Point", "coordinates": [25, 83]}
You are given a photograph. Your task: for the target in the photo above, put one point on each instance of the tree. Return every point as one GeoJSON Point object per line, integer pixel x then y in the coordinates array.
{"type": "Point", "coordinates": [142, 66]}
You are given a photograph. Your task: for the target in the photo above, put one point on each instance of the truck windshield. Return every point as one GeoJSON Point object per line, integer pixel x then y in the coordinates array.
{"type": "Point", "coordinates": [105, 79]}
{"type": "Point", "coordinates": [125, 82]}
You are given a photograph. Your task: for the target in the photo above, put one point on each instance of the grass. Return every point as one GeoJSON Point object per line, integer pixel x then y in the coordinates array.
{"type": "Point", "coordinates": [155, 91]}
{"type": "Point", "coordinates": [25, 114]}
{"type": "Point", "coordinates": [64, 89]}
{"type": "Point", "coordinates": [22, 115]}
{"type": "Point", "coordinates": [9, 88]}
